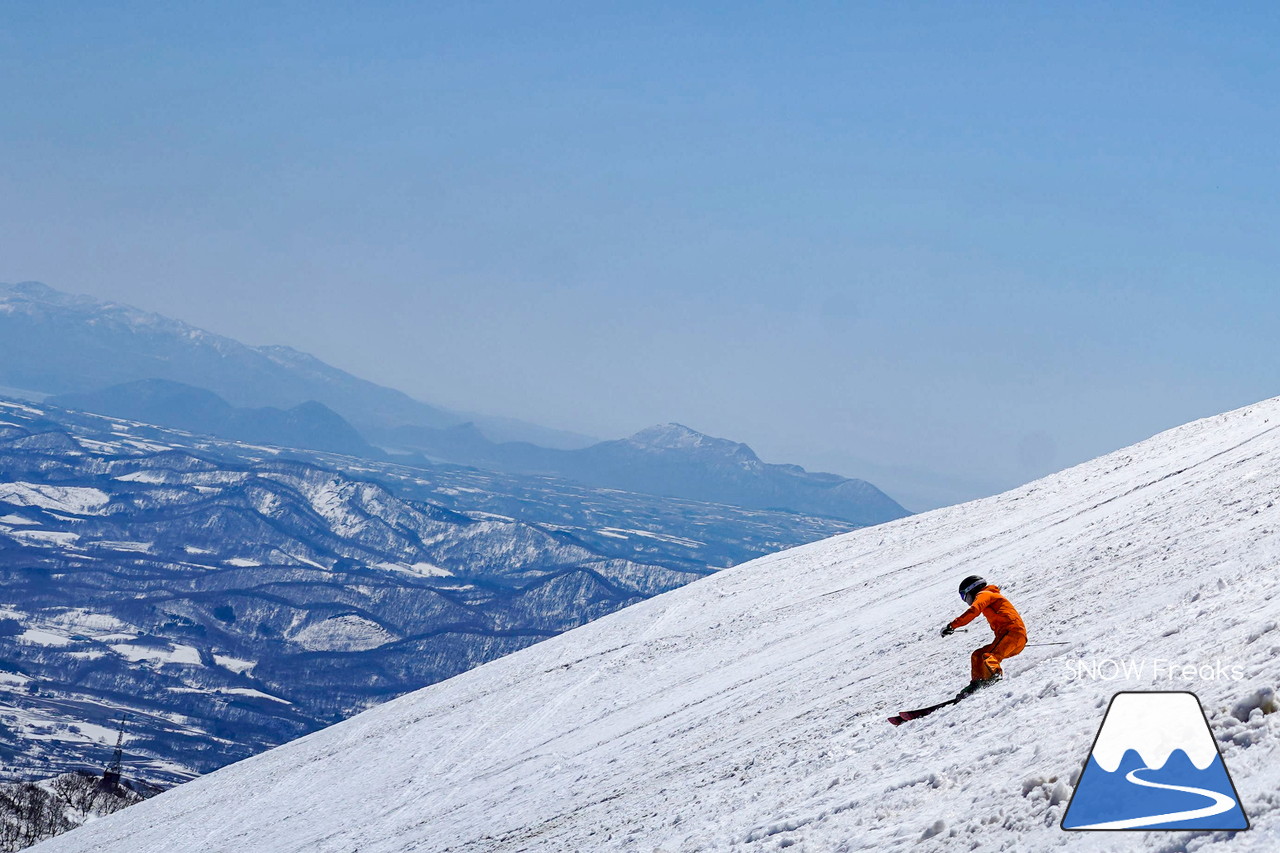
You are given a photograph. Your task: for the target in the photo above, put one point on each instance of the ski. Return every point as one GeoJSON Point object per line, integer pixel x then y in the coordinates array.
{"type": "Point", "coordinates": [903, 716]}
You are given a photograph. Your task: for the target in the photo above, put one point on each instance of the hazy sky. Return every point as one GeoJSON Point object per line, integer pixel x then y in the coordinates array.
{"type": "Point", "coordinates": [947, 247]}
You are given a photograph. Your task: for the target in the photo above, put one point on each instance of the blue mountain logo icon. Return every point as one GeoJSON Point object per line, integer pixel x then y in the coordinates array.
{"type": "Point", "coordinates": [1155, 765]}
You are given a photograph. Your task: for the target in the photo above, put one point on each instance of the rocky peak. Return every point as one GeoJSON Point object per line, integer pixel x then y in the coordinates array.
{"type": "Point", "coordinates": [680, 438]}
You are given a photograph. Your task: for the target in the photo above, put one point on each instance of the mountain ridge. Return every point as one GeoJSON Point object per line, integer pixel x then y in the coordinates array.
{"type": "Point", "coordinates": [53, 342]}
{"type": "Point", "coordinates": [60, 344]}
{"type": "Point", "coordinates": [309, 425]}
{"type": "Point", "coordinates": [664, 459]}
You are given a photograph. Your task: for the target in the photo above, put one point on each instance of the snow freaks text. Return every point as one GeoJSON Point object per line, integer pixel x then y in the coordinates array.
{"type": "Point", "coordinates": [1158, 669]}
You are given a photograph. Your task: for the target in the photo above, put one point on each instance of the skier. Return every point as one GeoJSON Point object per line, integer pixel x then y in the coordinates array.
{"type": "Point", "coordinates": [1011, 634]}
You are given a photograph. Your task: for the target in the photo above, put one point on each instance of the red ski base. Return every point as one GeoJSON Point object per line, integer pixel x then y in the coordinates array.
{"type": "Point", "coordinates": [903, 716]}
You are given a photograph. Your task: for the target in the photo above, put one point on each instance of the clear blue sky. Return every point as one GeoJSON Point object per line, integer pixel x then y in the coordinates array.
{"type": "Point", "coordinates": [948, 247]}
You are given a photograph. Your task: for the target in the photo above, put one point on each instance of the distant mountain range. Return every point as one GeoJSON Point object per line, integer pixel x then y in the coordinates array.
{"type": "Point", "coordinates": [112, 359]}
{"type": "Point", "coordinates": [309, 425]}
{"type": "Point", "coordinates": [232, 597]}
{"type": "Point", "coordinates": [56, 343]}
{"type": "Point", "coordinates": [670, 459]}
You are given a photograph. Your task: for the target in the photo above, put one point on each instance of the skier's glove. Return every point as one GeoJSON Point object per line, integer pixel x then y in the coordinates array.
{"type": "Point", "coordinates": [947, 630]}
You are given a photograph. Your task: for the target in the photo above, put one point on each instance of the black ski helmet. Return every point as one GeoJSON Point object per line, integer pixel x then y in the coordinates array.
{"type": "Point", "coordinates": [970, 586]}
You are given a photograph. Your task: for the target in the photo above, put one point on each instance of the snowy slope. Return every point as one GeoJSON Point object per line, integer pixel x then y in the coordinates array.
{"type": "Point", "coordinates": [747, 711]}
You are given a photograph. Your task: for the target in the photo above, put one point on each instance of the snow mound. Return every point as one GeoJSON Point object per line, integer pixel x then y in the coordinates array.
{"type": "Point", "coordinates": [349, 633]}
{"type": "Point", "coordinates": [746, 711]}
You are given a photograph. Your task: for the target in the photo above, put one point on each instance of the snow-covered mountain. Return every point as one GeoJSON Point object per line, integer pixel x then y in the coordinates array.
{"type": "Point", "coordinates": [668, 459]}
{"type": "Point", "coordinates": [55, 343]}
{"type": "Point", "coordinates": [232, 596]}
{"type": "Point", "coordinates": [746, 711]}
{"type": "Point", "coordinates": [117, 360]}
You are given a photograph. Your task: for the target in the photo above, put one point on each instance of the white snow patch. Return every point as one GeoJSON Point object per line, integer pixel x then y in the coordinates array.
{"type": "Point", "coordinates": [9, 404]}
{"type": "Point", "coordinates": [623, 533]}
{"type": "Point", "coordinates": [85, 621]}
{"type": "Point", "coordinates": [80, 500]}
{"type": "Point", "coordinates": [120, 545]}
{"type": "Point", "coordinates": [178, 654]}
{"type": "Point", "coordinates": [249, 691]}
{"type": "Point", "coordinates": [39, 637]}
{"type": "Point", "coordinates": [57, 538]}
{"type": "Point", "coordinates": [96, 733]}
{"type": "Point", "coordinates": [428, 570]}
{"type": "Point", "coordinates": [152, 477]}
{"type": "Point", "coordinates": [348, 633]}
{"type": "Point", "coordinates": [236, 665]}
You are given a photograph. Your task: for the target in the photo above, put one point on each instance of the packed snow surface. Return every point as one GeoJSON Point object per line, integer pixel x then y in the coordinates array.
{"type": "Point", "coordinates": [747, 711]}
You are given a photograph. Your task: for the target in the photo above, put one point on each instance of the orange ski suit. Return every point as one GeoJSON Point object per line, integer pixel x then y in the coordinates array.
{"type": "Point", "coordinates": [1011, 634]}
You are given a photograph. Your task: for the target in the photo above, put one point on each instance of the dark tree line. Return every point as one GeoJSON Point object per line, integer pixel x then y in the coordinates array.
{"type": "Point", "coordinates": [31, 812]}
